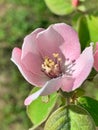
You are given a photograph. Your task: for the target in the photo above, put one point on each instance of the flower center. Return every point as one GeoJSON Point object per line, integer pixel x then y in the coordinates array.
{"type": "Point", "coordinates": [52, 67]}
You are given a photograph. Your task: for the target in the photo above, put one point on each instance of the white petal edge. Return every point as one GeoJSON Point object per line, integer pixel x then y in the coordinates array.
{"type": "Point", "coordinates": [50, 87]}
{"type": "Point", "coordinates": [83, 66]}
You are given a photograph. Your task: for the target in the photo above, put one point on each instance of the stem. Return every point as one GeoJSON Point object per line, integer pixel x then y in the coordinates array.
{"type": "Point", "coordinates": [67, 101]}
{"type": "Point", "coordinates": [66, 95]}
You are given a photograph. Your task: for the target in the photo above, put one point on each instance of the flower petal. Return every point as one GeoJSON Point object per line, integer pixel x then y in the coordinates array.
{"type": "Point", "coordinates": [33, 63]}
{"type": "Point", "coordinates": [49, 42]}
{"type": "Point", "coordinates": [96, 60]}
{"type": "Point", "coordinates": [50, 87]}
{"type": "Point", "coordinates": [34, 79]}
{"type": "Point", "coordinates": [67, 83]}
{"type": "Point", "coordinates": [71, 45]}
{"type": "Point", "coordinates": [29, 44]}
{"type": "Point", "coordinates": [16, 55]}
{"type": "Point", "coordinates": [83, 66]}
{"type": "Point", "coordinates": [30, 57]}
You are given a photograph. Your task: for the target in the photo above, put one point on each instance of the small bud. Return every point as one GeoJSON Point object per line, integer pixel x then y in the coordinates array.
{"type": "Point", "coordinates": [75, 3]}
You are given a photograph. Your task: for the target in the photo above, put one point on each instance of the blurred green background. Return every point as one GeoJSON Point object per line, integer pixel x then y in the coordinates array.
{"type": "Point", "coordinates": [17, 19]}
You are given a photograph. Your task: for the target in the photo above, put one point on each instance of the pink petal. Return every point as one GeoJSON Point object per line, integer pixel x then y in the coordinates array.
{"type": "Point", "coordinates": [49, 42]}
{"type": "Point", "coordinates": [29, 44]}
{"type": "Point", "coordinates": [83, 66]}
{"type": "Point", "coordinates": [71, 45]}
{"type": "Point", "coordinates": [34, 79]}
{"type": "Point", "coordinates": [33, 63]}
{"type": "Point", "coordinates": [67, 83]}
{"type": "Point", "coordinates": [96, 60]}
{"type": "Point", "coordinates": [16, 55]}
{"type": "Point", "coordinates": [30, 54]}
{"type": "Point", "coordinates": [50, 87]}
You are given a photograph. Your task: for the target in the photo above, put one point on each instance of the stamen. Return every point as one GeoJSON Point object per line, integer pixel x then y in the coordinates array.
{"type": "Point", "coordinates": [52, 68]}
{"type": "Point", "coordinates": [59, 59]}
{"type": "Point", "coordinates": [69, 67]}
{"type": "Point", "coordinates": [55, 55]}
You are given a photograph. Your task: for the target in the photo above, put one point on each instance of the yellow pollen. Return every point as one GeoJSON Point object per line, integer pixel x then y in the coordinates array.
{"type": "Point", "coordinates": [56, 65]}
{"type": "Point", "coordinates": [51, 64]}
{"type": "Point", "coordinates": [46, 68]}
{"type": "Point", "coordinates": [50, 60]}
{"type": "Point", "coordinates": [55, 55]}
{"type": "Point", "coordinates": [59, 59]}
{"type": "Point", "coordinates": [51, 67]}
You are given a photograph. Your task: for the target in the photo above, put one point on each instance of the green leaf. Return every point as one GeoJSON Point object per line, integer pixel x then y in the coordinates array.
{"type": "Point", "coordinates": [70, 117]}
{"type": "Point", "coordinates": [83, 32]}
{"type": "Point", "coordinates": [88, 30]}
{"type": "Point", "coordinates": [60, 7]}
{"type": "Point", "coordinates": [91, 105]}
{"type": "Point", "coordinates": [38, 111]}
{"type": "Point", "coordinates": [92, 22]}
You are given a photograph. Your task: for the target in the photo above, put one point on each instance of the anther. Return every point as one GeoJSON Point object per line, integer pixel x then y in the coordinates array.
{"type": "Point", "coordinates": [52, 67]}
{"type": "Point", "coordinates": [55, 55]}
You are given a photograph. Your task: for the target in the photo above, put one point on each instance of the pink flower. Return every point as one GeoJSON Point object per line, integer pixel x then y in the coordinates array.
{"type": "Point", "coordinates": [75, 3]}
{"type": "Point", "coordinates": [50, 58]}
{"type": "Point", "coordinates": [96, 57]}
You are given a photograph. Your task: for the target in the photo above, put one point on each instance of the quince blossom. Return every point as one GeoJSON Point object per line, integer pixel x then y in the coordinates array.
{"type": "Point", "coordinates": [50, 59]}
